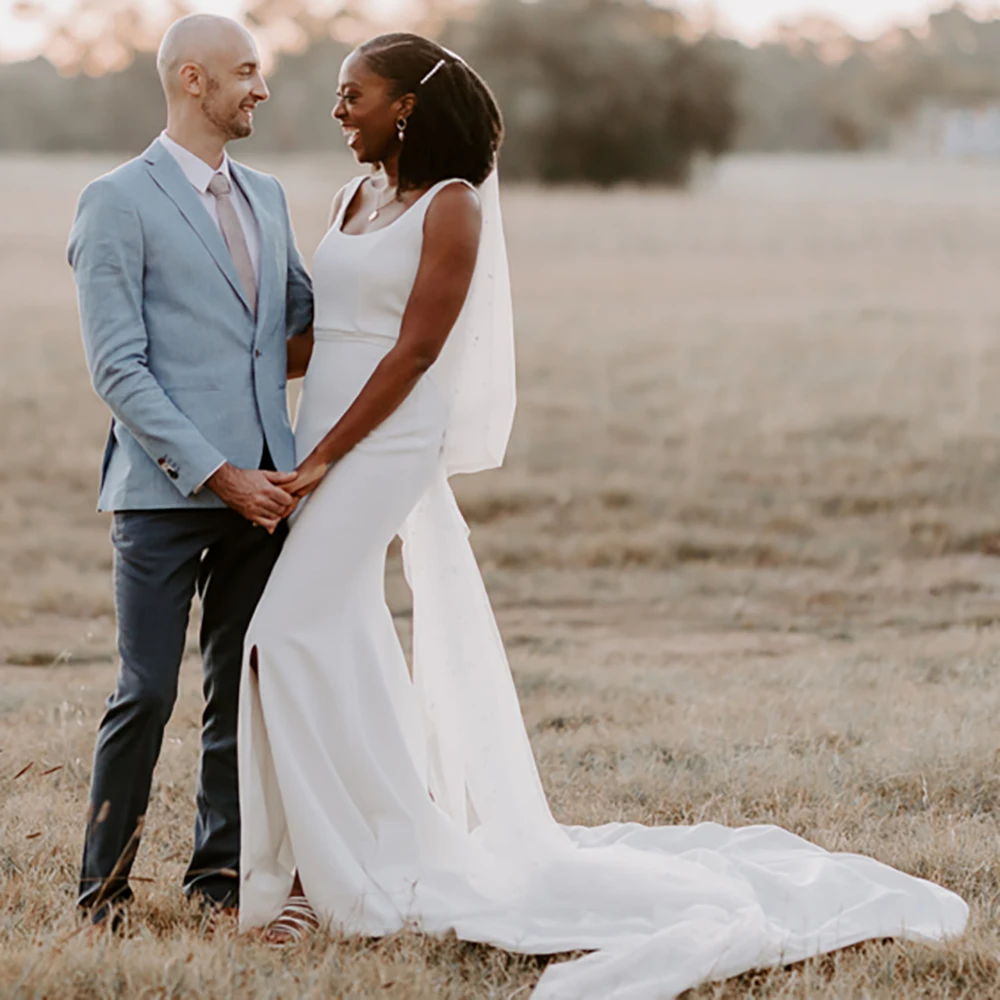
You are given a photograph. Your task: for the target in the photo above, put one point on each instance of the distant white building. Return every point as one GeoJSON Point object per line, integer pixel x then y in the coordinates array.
{"type": "Point", "coordinates": [952, 133]}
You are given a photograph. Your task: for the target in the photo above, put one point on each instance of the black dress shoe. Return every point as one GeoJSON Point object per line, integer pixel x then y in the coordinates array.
{"type": "Point", "coordinates": [109, 916]}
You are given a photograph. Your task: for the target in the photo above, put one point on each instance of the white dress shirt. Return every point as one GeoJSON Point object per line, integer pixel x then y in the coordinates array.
{"type": "Point", "coordinates": [200, 174]}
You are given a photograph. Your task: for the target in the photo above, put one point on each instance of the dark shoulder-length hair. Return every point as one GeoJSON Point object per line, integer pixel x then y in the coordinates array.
{"type": "Point", "coordinates": [456, 128]}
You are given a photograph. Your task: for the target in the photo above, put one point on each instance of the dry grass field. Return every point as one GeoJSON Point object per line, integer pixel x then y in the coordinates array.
{"type": "Point", "coordinates": [743, 554]}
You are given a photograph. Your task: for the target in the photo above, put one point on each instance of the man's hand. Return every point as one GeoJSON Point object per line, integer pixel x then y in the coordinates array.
{"type": "Point", "coordinates": [256, 494]}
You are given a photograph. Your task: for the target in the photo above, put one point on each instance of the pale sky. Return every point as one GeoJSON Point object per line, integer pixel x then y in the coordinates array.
{"type": "Point", "coordinates": [751, 18]}
{"type": "Point", "coordinates": [747, 18]}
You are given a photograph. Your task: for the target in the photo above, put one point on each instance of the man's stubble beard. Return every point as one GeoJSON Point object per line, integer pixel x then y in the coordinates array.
{"type": "Point", "coordinates": [228, 125]}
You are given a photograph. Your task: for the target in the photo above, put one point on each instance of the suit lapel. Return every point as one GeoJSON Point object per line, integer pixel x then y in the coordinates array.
{"type": "Point", "coordinates": [166, 172]}
{"type": "Point", "coordinates": [266, 239]}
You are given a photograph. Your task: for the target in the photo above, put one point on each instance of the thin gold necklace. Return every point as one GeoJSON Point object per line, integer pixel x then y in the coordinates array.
{"type": "Point", "coordinates": [374, 214]}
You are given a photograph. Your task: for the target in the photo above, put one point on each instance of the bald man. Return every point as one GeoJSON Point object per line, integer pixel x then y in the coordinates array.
{"type": "Point", "coordinates": [190, 288]}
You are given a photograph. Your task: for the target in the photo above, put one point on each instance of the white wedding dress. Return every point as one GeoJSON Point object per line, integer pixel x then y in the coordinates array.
{"type": "Point", "coordinates": [416, 802]}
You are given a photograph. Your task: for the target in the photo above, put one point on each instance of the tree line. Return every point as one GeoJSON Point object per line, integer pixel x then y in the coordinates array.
{"type": "Point", "coordinates": [596, 91]}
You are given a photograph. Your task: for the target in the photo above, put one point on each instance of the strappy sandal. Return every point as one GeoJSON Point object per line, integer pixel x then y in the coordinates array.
{"type": "Point", "coordinates": [293, 925]}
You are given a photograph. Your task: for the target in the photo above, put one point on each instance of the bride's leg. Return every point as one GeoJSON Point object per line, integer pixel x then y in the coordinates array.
{"type": "Point", "coordinates": [325, 673]}
{"type": "Point", "coordinates": [297, 919]}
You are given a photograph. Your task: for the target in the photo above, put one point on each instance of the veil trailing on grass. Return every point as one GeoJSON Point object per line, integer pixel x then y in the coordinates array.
{"type": "Point", "coordinates": [662, 908]}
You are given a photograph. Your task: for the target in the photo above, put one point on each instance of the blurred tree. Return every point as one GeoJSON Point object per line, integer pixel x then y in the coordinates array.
{"type": "Point", "coordinates": [598, 90]}
{"type": "Point", "coordinates": [814, 87]}
{"type": "Point", "coordinates": [100, 36]}
{"type": "Point", "coordinates": [593, 90]}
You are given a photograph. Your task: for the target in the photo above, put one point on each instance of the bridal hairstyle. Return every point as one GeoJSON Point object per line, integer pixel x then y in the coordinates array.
{"type": "Point", "coordinates": [455, 129]}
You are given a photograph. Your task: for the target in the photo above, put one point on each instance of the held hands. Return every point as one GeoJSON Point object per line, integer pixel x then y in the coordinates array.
{"type": "Point", "coordinates": [262, 497]}
{"type": "Point", "coordinates": [307, 477]}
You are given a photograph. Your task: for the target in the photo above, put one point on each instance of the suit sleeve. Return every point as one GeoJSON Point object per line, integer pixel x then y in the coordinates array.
{"type": "Point", "coordinates": [299, 301]}
{"type": "Point", "coordinates": [107, 256]}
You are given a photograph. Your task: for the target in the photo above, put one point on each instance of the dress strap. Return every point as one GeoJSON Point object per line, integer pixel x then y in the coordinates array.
{"type": "Point", "coordinates": [422, 206]}
{"type": "Point", "coordinates": [443, 184]}
{"type": "Point", "coordinates": [350, 192]}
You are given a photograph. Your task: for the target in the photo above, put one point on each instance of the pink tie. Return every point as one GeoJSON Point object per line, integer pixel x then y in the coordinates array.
{"type": "Point", "coordinates": [233, 234]}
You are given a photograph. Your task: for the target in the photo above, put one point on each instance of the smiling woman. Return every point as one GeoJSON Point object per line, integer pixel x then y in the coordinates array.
{"type": "Point", "coordinates": [407, 92]}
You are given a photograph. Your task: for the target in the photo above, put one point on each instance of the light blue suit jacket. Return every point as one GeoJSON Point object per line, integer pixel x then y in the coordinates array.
{"type": "Point", "coordinates": [191, 378]}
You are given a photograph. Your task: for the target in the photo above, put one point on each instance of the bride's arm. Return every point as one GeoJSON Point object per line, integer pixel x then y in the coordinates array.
{"type": "Point", "coordinates": [447, 261]}
{"type": "Point", "coordinates": [298, 350]}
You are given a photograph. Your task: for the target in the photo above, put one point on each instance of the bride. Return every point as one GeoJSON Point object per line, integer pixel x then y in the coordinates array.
{"type": "Point", "coordinates": [373, 799]}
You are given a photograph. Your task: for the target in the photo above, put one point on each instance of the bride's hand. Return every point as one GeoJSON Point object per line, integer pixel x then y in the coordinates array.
{"type": "Point", "coordinates": [307, 477]}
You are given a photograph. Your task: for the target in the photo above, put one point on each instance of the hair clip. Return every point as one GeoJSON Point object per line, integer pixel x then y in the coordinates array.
{"type": "Point", "coordinates": [437, 66]}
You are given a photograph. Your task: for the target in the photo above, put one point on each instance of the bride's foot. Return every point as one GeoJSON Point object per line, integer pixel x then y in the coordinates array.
{"type": "Point", "coordinates": [294, 924]}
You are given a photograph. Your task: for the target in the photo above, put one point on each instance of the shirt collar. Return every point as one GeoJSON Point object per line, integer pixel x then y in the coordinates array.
{"type": "Point", "coordinates": [197, 171]}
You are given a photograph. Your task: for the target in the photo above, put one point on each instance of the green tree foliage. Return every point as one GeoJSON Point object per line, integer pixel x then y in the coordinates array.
{"type": "Point", "coordinates": [814, 87]}
{"type": "Point", "coordinates": [599, 90]}
{"type": "Point", "coordinates": [44, 111]}
{"type": "Point", "coordinates": [593, 90]}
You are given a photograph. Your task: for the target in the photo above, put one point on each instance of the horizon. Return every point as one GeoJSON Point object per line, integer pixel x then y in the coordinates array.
{"type": "Point", "coordinates": [750, 21]}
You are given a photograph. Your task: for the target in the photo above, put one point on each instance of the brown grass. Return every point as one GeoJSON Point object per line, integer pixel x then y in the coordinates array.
{"type": "Point", "coordinates": [743, 554]}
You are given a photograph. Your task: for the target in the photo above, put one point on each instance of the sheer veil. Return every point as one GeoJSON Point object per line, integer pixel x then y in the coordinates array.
{"type": "Point", "coordinates": [478, 360]}
{"type": "Point", "coordinates": [480, 766]}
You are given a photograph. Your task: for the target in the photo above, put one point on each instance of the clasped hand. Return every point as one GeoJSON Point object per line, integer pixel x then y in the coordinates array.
{"type": "Point", "coordinates": [307, 476]}
{"type": "Point", "coordinates": [266, 498]}
{"type": "Point", "coordinates": [260, 495]}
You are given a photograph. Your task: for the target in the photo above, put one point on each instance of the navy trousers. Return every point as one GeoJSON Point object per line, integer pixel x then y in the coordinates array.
{"type": "Point", "coordinates": [161, 559]}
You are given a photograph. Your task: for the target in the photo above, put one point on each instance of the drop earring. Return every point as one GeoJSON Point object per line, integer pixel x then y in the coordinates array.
{"type": "Point", "coordinates": [400, 128]}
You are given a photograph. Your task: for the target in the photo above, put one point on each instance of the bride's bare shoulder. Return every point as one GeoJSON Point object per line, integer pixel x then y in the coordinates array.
{"type": "Point", "coordinates": [455, 210]}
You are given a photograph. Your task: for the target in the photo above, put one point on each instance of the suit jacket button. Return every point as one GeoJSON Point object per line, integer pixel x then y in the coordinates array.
{"type": "Point", "coordinates": [256, 353]}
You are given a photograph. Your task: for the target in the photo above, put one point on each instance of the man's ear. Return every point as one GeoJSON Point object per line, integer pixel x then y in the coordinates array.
{"type": "Point", "coordinates": [192, 79]}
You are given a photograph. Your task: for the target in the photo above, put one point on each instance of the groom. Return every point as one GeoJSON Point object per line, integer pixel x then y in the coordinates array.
{"type": "Point", "coordinates": [189, 283]}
